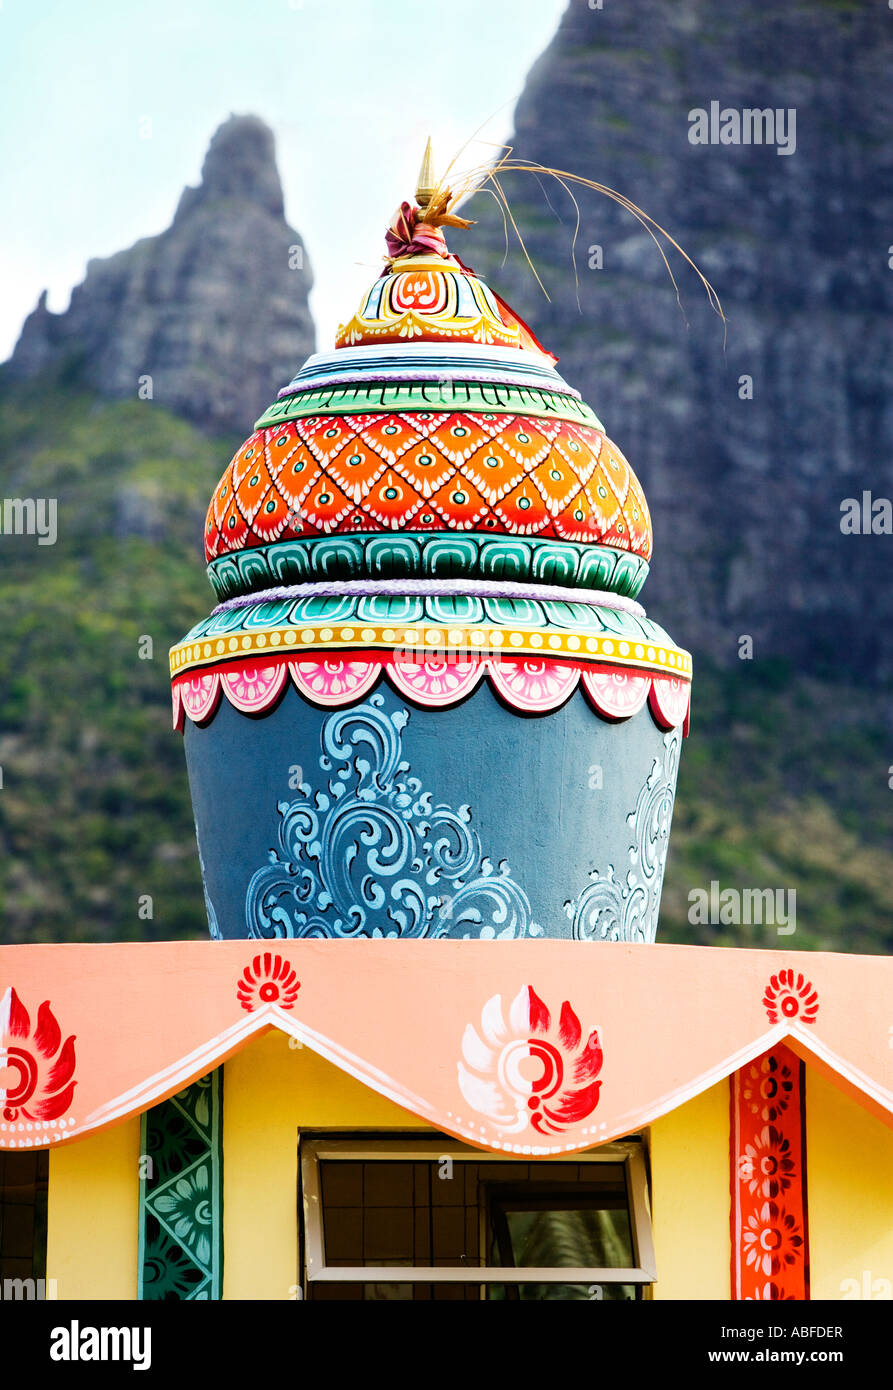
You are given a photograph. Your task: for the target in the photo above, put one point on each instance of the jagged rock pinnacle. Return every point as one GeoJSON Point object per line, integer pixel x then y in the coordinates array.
{"type": "Point", "coordinates": [241, 165]}
{"type": "Point", "coordinates": [214, 310]}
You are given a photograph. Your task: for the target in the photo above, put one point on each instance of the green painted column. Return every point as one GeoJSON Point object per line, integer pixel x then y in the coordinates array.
{"type": "Point", "coordinates": [181, 1195]}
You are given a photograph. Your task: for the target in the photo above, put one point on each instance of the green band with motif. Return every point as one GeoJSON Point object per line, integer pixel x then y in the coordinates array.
{"type": "Point", "coordinates": [417, 623]}
{"type": "Point", "coordinates": [441, 555]}
{"type": "Point", "coordinates": [355, 399]}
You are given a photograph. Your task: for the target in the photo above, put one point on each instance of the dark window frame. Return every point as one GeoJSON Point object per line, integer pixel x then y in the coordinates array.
{"type": "Point", "coordinates": [38, 1204]}
{"type": "Point", "coordinates": [358, 1147]}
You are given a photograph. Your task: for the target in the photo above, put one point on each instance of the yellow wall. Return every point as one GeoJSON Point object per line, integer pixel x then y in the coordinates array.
{"type": "Point", "coordinates": [690, 1198]}
{"type": "Point", "coordinates": [93, 1215]}
{"type": "Point", "coordinates": [689, 1156]}
{"type": "Point", "coordinates": [269, 1090]}
{"type": "Point", "coordinates": [849, 1177]}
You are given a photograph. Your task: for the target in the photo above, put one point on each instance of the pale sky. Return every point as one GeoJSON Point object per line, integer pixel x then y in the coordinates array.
{"type": "Point", "coordinates": [351, 89]}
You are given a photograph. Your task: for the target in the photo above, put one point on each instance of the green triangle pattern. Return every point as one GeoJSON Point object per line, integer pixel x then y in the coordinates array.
{"type": "Point", "coordinates": [181, 1195]}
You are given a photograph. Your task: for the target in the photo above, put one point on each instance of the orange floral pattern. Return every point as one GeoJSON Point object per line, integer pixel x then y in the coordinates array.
{"type": "Point", "coordinates": [427, 471]}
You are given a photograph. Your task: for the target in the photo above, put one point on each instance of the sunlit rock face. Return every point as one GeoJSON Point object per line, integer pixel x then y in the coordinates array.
{"type": "Point", "coordinates": [745, 482]}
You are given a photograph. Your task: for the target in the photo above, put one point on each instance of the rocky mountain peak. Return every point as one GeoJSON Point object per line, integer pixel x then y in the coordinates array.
{"type": "Point", "coordinates": [209, 318]}
{"type": "Point", "coordinates": [240, 165]}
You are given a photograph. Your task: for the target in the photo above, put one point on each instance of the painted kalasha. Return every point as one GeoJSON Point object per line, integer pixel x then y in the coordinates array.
{"type": "Point", "coordinates": [429, 703]}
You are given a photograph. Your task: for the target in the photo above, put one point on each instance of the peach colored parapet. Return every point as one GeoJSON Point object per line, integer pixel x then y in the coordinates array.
{"type": "Point", "coordinates": [531, 1047]}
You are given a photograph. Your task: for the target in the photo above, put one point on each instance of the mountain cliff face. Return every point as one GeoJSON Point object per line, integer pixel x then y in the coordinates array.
{"type": "Point", "coordinates": [214, 310]}
{"type": "Point", "coordinates": [746, 492]}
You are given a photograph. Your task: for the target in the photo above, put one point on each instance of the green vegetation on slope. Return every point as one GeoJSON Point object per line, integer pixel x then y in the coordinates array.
{"type": "Point", "coordinates": [783, 784]}
{"type": "Point", "coordinates": [94, 806]}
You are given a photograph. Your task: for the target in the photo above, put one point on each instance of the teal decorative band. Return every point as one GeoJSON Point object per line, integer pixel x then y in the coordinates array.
{"type": "Point", "coordinates": [181, 1195]}
{"type": "Point", "coordinates": [430, 623]}
{"type": "Point", "coordinates": [355, 398]}
{"type": "Point", "coordinates": [428, 556]}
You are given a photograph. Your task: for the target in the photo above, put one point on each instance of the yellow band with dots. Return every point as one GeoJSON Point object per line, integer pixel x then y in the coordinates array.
{"type": "Point", "coordinates": [422, 638]}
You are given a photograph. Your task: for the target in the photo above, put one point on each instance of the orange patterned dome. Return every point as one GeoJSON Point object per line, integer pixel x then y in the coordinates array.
{"type": "Point", "coordinates": [437, 412]}
{"type": "Point", "coordinates": [428, 471]}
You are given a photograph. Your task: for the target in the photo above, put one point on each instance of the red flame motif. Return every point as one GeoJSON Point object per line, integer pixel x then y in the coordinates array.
{"type": "Point", "coordinates": [36, 1068]}
{"type": "Point", "coordinates": [268, 980]}
{"type": "Point", "coordinates": [789, 997]}
{"type": "Point", "coordinates": [527, 1072]}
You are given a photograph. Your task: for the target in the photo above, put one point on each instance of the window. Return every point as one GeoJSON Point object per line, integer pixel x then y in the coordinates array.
{"type": "Point", "coordinates": [23, 1223]}
{"type": "Point", "coordinates": [461, 1224]}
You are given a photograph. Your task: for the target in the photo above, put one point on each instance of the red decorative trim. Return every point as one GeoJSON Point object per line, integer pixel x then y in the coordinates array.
{"type": "Point", "coordinates": [789, 996]}
{"type": "Point", "coordinates": [524, 1071]}
{"type": "Point", "coordinates": [533, 684]}
{"type": "Point", "coordinates": [267, 980]}
{"type": "Point", "coordinates": [438, 681]}
{"type": "Point", "coordinates": [669, 699]}
{"type": "Point", "coordinates": [616, 694]}
{"type": "Point", "coordinates": [528, 684]}
{"type": "Point", "coordinates": [770, 1240]}
{"type": "Point", "coordinates": [334, 681]}
{"type": "Point", "coordinates": [199, 696]}
{"type": "Point", "coordinates": [39, 1066]}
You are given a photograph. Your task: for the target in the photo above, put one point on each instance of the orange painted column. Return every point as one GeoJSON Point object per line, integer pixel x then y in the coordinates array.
{"type": "Point", "coordinates": [769, 1227]}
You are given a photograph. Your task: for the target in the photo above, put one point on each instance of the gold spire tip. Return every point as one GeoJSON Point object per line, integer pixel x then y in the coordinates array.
{"type": "Point", "coordinates": [426, 185]}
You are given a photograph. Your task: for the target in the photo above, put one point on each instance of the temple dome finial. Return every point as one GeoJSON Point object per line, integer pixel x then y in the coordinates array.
{"type": "Point", "coordinates": [426, 184]}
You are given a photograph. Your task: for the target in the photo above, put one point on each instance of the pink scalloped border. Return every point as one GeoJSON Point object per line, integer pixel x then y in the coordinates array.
{"type": "Point", "coordinates": [334, 680]}
{"type": "Point", "coordinates": [199, 696]}
{"type": "Point", "coordinates": [254, 687]}
{"type": "Point", "coordinates": [531, 685]}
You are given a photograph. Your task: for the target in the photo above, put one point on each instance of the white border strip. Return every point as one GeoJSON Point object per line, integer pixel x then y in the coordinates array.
{"type": "Point", "coordinates": [202, 1060]}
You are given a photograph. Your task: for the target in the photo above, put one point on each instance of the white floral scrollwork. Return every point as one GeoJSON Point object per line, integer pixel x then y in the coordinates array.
{"type": "Point", "coordinates": [371, 855]}
{"type": "Point", "coordinates": [615, 908]}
